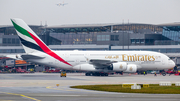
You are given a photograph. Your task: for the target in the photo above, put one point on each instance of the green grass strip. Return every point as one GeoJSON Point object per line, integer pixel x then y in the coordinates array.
{"type": "Point", "coordinates": [152, 89]}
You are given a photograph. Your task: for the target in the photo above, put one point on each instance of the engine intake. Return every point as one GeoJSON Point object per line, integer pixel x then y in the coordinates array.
{"type": "Point", "coordinates": [119, 66]}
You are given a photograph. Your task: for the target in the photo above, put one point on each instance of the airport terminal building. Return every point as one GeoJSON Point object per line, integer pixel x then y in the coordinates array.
{"type": "Point", "coordinates": [164, 38]}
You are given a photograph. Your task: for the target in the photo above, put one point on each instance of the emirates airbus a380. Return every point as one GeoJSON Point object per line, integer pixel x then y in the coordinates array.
{"type": "Point", "coordinates": [98, 63]}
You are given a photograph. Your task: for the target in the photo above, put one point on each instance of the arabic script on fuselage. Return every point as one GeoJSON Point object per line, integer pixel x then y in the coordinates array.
{"type": "Point", "coordinates": [134, 57]}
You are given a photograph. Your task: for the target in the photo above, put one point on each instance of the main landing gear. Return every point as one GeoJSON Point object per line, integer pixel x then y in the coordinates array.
{"type": "Point", "coordinates": [96, 74]}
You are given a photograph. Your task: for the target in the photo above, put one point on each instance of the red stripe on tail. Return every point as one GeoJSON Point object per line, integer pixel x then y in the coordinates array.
{"type": "Point", "coordinates": [47, 50]}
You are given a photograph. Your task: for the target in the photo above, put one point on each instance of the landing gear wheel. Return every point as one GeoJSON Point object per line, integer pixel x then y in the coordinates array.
{"type": "Point", "coordinates": [98, 74]}
{"type": "Point", "coordinates": [106, 74]}
{"type": "Point", "coordinates": [102, 74]}
{"type": "Point", "coordinates": [164, 74]}
{"type": "Point", "coordinates": [88, 74]}
{"type": "Point", "coordinates": [93, 74]}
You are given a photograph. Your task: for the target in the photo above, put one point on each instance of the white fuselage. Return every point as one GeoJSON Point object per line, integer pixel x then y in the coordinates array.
{"type": "Point", "coordinates": [145, 60]}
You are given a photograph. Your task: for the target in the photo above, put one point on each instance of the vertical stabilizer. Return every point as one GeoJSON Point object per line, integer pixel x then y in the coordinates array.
{"type": "Point", "coordinates": [30, 41]}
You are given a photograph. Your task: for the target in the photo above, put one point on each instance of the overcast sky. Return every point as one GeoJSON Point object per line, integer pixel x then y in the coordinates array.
{"type": "Point", "coordinates": [90, 11]}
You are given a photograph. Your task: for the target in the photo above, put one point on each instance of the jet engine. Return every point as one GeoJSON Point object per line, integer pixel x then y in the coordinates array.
{"type": "Point", "coordinates": [119, 66]}
{"type": "Point", "coordinates": [131, 68]}
{"type": "Point", "coordinates": [85, 67]}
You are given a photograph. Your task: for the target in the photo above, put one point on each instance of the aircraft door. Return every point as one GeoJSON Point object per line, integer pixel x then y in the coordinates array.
{"type": "Point", "coordinates": [66, 55]}
{"type": "Point", "coordinates": [77, 61]}
{"type": "Point", "coordinates": [86, 55]}
{"type": "Point", "coordinates": [56, 62]}
{"type": "Point", "coordinates": [163, 62]}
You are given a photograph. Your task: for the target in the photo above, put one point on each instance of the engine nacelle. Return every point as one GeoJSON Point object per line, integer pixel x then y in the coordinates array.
{"type": "Point", "coordinates": [85, 67]}
{"type": "Point", "coordinates": [131, 68]}
{"type": "Point", "coordinates": [119, 66]}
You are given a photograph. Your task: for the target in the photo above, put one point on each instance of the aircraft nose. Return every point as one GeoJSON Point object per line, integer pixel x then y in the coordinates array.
{"type": "Point", "coordinates": [172, 64]}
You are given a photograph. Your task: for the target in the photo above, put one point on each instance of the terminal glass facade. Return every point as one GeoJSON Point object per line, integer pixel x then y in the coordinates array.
{"type": "Point", "coordinates": [82, 29]}
{"type": "Point", "coordinates": [172, 34]}
{"type": "Point", "coordinates": [136, 27]}
{"type": "Point", "coordinates": [73, 38]}
{"type": "Point", "coordinates": [12, 51]}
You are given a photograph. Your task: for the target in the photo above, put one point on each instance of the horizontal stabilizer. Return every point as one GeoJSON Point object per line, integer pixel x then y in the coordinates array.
{"type": "Point", "coordinates": [30, 56]}
{"type": "Point", "coordinates": [16, 57]}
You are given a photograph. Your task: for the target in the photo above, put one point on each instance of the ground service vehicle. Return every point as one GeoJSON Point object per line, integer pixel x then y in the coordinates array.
{"type": "Point", "coordinates": [63, 74]}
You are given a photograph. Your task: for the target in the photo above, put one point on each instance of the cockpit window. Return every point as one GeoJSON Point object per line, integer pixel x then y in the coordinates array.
{"type": "Point", "coordinates": [171, 58]}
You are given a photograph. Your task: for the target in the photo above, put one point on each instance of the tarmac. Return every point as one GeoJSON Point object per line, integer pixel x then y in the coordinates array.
{"type": "Point", "coordinates": [42, 87]}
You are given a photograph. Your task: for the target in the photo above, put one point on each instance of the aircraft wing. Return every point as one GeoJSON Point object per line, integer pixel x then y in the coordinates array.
{"type": "Point", "coordinates": [101, 63]}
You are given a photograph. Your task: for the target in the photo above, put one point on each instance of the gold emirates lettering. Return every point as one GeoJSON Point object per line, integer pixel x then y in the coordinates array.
{"type": "Point", "coordinates": [135, 57]}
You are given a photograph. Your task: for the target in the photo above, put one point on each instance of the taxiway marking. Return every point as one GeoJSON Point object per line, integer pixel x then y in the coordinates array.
{"type": "Point", "coordinates": [50, 87]}
{"type": "Point", "coordinates": [22, 96]}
